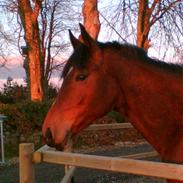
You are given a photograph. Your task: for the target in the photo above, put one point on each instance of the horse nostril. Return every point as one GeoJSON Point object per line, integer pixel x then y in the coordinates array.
{"type": "Point", "coordinates": [49, 138]}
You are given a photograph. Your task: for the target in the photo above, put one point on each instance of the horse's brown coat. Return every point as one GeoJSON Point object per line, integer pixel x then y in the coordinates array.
{"type": "Point", "coordinates": [121, 77]}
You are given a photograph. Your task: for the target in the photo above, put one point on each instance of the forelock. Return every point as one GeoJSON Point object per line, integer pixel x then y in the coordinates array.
{"type": "Point", "coordinates": [78, 59]}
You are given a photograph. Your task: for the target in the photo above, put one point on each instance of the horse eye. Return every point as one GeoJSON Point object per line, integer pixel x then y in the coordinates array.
{"type": "Point", "coordinates": [81, 77]}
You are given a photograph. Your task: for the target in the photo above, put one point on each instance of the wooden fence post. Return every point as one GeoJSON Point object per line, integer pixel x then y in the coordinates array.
{"type": "Point", "coordinates": [26, 169]}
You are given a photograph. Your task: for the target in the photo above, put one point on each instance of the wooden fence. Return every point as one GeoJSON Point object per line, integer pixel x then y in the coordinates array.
{"type": "Point", "coordinates": [125, 164]}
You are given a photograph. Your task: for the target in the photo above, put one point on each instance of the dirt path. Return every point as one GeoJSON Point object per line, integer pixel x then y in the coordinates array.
{"type": "Point", "coordinates": [50, 173]}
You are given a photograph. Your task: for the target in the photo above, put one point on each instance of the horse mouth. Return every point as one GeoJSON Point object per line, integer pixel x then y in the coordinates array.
{"type": "Point", "coordinates": [49, 140]}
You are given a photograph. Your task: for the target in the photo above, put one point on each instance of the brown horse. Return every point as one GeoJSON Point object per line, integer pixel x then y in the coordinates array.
{"type": "Point", "coordinates": [99, 77]}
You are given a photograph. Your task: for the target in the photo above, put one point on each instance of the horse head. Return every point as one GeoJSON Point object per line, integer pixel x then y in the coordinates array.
{"type": "Point", "coordinates": [87, 93]}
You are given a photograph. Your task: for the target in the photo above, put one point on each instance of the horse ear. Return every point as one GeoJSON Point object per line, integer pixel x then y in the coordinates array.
{"type": "Point", "coordinates": [74, 41]}
{"type": "Point", "coordinates": [91, 44]}
{"type": "Point", "coordinates": [86, 38]}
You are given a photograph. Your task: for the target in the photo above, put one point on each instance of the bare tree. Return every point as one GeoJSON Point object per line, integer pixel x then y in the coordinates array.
{"type": "Point", "coordinates": [29, 13]}
{"type": "Point", "coordinates": [5, 41]}
{"type": "Point", "coordinates": [148, 23]}
{"type": "Point", "coordinates": [149, 14]}
{"type": "Point", "coordinates": [55, 19]}
{"type": "Point", "coordinates": [46, 30]}
{"type": "Point", "coordinates": [91, 17]}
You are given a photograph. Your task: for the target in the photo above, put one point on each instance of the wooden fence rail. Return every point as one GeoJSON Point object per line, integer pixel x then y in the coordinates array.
{"type": "Point", "coordinates": [125, 164]}
{"type": "Point", "coordinates": [139, 167]}
{"type": "Point", "coordinates": [110, 126]}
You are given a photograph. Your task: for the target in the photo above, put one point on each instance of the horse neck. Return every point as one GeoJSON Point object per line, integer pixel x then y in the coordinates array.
{"type": "Point", "coordinates": [129, 75]}
{"type": "Point", "coordinates": [142, 90]}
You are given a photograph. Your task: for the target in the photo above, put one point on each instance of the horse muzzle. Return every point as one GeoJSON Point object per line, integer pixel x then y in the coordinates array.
{"type": "Point", "coordinates": [49, 140]}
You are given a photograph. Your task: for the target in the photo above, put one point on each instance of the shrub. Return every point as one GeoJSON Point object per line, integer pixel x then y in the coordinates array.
{"type": "Point", "coordinates": [24, 117]}
{"type": "Point", "coordinates": [16, 93]}
{"type": "Point", "coordinates": [13, 92]}
{"type": "Point", "coordinates": [51, 92]}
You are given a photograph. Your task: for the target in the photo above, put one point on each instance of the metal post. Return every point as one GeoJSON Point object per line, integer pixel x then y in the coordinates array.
{"type": "Point", "coordinates": [2, 138]}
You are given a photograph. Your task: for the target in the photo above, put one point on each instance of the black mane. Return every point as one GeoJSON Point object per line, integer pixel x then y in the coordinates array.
{"type": "Point", "coordinates": [126, 50]}
{"type": "Point", "coordinates": [81, 55]}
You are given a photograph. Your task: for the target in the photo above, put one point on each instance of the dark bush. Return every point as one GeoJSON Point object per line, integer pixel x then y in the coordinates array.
{"type": "Point", "coordinates": [13, 92]}
{"type": "Point", "coordinates": [24, 117]}
{"type": "Point", "coordinates": [51, 92]}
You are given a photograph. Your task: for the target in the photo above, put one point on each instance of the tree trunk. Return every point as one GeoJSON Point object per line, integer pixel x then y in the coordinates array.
{"type": "Point", "coordinates": [143, 25]}
{"type": "Point", "coordinates": [91, 18]}
{"type": "Point", "coordinates": [28, 17]}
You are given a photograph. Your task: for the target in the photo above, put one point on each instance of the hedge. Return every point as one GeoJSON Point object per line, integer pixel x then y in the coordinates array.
{"type": "Point", "coordinates": [24, 117]}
